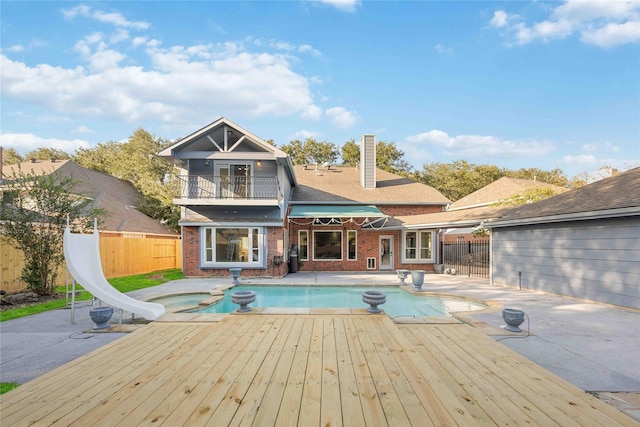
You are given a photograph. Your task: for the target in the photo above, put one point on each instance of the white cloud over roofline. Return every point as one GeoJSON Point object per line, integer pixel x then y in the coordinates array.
{"type": "Point", "coordinates": [181, 82]}
{"type": "Point", "coordinates": [24, 142]}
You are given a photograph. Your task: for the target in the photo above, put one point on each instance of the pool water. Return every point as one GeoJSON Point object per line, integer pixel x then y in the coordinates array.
{"type": "Point", "coordinates": [399, 302]}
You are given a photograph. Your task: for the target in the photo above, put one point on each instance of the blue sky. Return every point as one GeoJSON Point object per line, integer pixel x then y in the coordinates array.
{"type": "Point", "coordinates": [516, 84]}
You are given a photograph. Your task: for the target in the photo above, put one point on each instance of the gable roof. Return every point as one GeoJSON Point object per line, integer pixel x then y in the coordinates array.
{"type": "Point", "coordinates": [225, 138]}
{"type": "Point", "coordinates": [500, 189]}
{"type": "Point", "coordinates": [613, 197]}
{"type": "Point", "coordinates": [116, 196]}
{"type": "Point", "coordinates": [341, 185]}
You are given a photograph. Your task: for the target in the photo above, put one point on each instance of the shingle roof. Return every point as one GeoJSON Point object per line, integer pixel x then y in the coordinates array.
{"type": "Point", "coordinates": [459, 218]}
{"type": "Point", "coordinates": [118, 197]}
{"type": "Point", "coordinates": [606, 197]}
{"type": "Point", "coordinates": [342, 185]}
{"type": "Point", "coordinates": [500, 189]}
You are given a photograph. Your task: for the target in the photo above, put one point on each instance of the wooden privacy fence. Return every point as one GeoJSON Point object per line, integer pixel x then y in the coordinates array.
{"type": "Point", "coordinates": [122, 254]}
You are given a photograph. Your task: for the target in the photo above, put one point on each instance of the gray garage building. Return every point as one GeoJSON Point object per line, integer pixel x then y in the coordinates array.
{"type": "Point", "coordinates": [583, 243]}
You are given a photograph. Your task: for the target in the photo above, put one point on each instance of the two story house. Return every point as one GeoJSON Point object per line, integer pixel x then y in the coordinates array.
{"type": "Point", "coordinates": [245, 205]}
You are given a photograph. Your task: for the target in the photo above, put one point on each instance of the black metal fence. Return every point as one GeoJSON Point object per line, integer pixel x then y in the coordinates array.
{"type": "Point", "coordinates": [468, 258]}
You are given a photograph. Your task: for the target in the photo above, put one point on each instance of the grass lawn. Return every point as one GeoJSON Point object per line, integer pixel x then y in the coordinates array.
{"type": "Point", "coordinates": [5, 387]}
{"type": "Point", "coordinates": [123, 284]}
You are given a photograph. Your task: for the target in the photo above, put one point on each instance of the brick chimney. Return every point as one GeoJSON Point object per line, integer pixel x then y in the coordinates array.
{"type": "Point", "coordinates": [368, 161]}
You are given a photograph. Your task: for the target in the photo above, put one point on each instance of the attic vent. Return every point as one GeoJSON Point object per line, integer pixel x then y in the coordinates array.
{"type": "Point", "coordinates": [371, 263]}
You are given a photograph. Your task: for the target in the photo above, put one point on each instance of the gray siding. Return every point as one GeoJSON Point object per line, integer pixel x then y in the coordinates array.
{"type": "Point", "coordinates": [595, 260]}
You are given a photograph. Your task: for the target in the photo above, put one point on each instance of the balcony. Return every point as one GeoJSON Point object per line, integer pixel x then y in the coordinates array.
{"type": "Point", "coordinates": [224, 190]}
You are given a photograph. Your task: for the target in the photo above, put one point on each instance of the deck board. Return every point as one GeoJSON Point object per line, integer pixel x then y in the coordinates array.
{"type": "Point", "coordinates": [308, 370]}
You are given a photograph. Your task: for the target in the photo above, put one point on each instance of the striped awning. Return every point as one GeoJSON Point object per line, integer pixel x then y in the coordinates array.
{"type": "Point", "coordinates": [336, 211]}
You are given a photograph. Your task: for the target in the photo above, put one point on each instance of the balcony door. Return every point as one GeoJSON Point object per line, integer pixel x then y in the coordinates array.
{"type": "Point", "coordinates": [235, 180]}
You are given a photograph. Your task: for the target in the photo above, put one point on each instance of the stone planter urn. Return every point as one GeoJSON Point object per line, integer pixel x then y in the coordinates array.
{"type": "Point", "coordinates": [438, 268]}
{"type": "Point", "coordinates": [243, 298]}
{"type": "Point", "coordinates": [513, 318]}
{"type": "Point", "coordinates": [417, 278]}
{"type": "Point", "coordinates": [235, 273]}
{"type": "Point", "coordinates": [402, 274]}
{"type": "Point", "coordinates": [374, 299]}
{"type": "Point", "coordinates": [101, 316]}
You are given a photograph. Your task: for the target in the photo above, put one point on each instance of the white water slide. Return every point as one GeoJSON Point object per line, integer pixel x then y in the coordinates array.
{"type": "Point", "coordinates": [82, 253]}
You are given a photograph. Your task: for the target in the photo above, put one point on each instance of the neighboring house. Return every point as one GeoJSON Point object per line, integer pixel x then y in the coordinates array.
{"type": "Point", "coordinates": [500, 191]}
{"type": "Point", "coordinates": [115, 196]}
{"type": "Point", "coordinates": [245, 205]}
{"type": "Point", "coordinates": [584, 243]}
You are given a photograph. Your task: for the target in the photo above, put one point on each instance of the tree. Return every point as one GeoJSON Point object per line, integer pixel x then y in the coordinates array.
{"type": "Point", "coordinates": [350, 153]}
{"type": "Point", "coordinates": [46, 153]}
{"type": "Point", "coordinates": [530, 195]}
{"type": "Point", "coordinates": [457, 179]}
{"type": "Point", "coordinates": [311, 151]}
{"type": "Point", "coordinates": [555, 176]}
{"type": "Point", "coordinates": [34, 220]}
{"type": "Point", "coordinates": [295, 150]}
{"type": "Point", "coordinates": [101, 158]}
{"type": "Point", "coordinates": [388, 157]}
{"type": "Point", "coordinates": [391, 159]}
{"type": "Point", "coordinates": [136, 160]}
{"type": "Point", "coordinates": [10, 156]}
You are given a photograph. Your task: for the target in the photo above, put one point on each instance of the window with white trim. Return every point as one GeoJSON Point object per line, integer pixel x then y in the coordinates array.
{"type": "Point", "coordinates": [418, 246]}
{"type": "Point", "coordinates": [327, 245]}
{"type": "Point", "coordinates": [303, 245]}
{"type": "Point", "coordinates": [229, 247]}
{"type": "Point", "coordinates": [352, 245]}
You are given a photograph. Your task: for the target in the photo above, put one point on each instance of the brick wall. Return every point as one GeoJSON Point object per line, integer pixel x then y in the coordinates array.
{"type": "Point", "coordinates": [367, 247]}
{"type": "Point", "coordinates": [191, 256]}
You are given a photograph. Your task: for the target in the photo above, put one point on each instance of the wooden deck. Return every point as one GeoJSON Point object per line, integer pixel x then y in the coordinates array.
{"type": "Point", "coordinates": [306, 370]}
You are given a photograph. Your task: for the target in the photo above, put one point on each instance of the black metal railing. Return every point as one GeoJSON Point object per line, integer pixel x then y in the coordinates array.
{"type": "Point", "coordinates": [222, 187]}
{"type": "Point", "coordinates": [468, 258]}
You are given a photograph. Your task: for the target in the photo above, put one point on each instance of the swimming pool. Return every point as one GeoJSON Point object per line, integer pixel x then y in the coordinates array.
{"type": "Point", "coordinates": [399, 302]}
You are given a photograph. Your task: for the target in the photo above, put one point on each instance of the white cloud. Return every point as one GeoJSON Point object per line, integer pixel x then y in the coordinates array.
{"type": "Point", "coordinates": [613, 34]}
{"type": "Point", "coordinates": [182, 85]}
{"type": "Point", "coordinates": [24, 142]}
{"type": "Point", "coordinates": [112, 18]}
{"type": "Point", "coordinates": [304, 134]}
{"type": "Point", "coordinates": [443, 49]}
{"type": "Point", "coordinates": [477, 146]}
{"type": "Point", "coordinates": [15, 48]}
{"type": "Point", "coordinates": [119, 36]}
{"type": "Point", "coordinates": [312, 112]}
{"type": "Point", "coordinates": [602, 23]}
{"type": "Point", "coordinates": [580, 159]}
{"type": "Point", "coordinates": [341, 117]}
{"type": "Point", "coordinates": [283, 46]}
{"type": "Point", "coordinates": [344, 5]}
{"type": "Point", "coordinates": [82, 129]}
{"type": "Point", "coordinates": [499, 19]}
{"type": "Point", "coordinates": [306, 48]}
{"type": "Point", "coordinates": [603, 147]}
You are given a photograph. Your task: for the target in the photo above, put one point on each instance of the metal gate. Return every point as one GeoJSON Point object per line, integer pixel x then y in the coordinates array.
{"type": "Point", "coordinates": [468, 258]}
